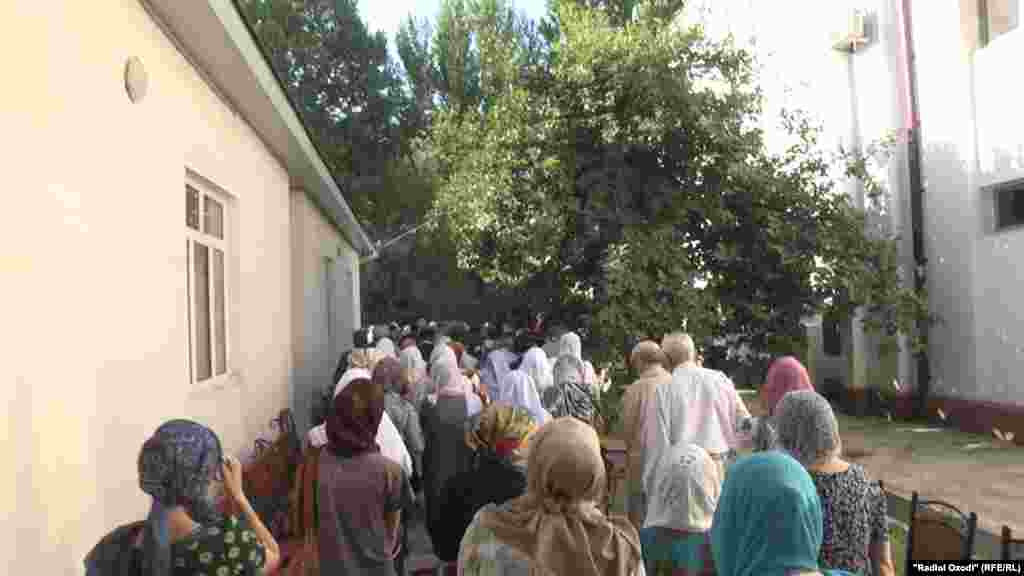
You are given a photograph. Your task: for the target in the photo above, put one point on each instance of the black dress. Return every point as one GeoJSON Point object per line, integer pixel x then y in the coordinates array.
{"type": "Point", "coordinates": [492, 481]}
{"type": "Point", "coordinates": [445, 454]}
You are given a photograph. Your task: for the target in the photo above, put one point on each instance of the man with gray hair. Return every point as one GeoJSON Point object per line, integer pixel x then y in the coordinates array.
{"type": "Point", "coordinates": [698, 406]}
{"type": "Point", "coordinates": [679, 348]}
{"type": "Point", "coordinates": [648, 362]}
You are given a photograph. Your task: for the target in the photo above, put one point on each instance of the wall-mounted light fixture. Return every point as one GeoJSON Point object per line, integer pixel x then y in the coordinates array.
{"type": "Point", "coordinates": [136, 82]}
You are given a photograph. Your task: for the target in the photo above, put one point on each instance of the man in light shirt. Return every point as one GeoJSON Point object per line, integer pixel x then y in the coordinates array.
{"type": "Point", "coordinates": [698, 406]}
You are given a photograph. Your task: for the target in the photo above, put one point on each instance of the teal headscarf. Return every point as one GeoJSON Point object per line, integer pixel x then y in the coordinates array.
{"type": "Point", "coordinates": [769, 518]}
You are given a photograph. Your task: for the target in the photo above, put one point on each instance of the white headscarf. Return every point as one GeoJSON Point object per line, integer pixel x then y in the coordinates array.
{"type": "Point", "coordinates": [388, 437]}
{"type": "Point", "coordinates": [571, 345]}
{"type": "Point", "coordinates": [535, 364]}
{"type": "Point", "coordinates": [684, 490]}
{"type": "Point", "coordinates": [442, 350]}
{"type": "Point", "coordinates": [449, 381]}
{"type": "Point", "coordinates": [568, 369]}
{"type": "Point", "coordinates": [387, 347]}
{"type": "Point", "coordinates": [518, 389]}
{"type": "Point", "coordinates": [412, 359]}
{"type": "Point", "coordinates": [497, 363]}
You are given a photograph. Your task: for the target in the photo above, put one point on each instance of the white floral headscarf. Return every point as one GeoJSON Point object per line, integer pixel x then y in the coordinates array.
{"type": "Point", "coordinates": [684, 491]}
{"type": "Point", "coordinates": [807, 426]}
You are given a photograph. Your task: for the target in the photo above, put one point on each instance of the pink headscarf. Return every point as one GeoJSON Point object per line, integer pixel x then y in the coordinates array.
{"type": "Point", "coordinates": [785, 375]}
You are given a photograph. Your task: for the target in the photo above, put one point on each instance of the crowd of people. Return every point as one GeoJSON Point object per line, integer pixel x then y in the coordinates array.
{"type": "Point", "coordinates": [493, 438]}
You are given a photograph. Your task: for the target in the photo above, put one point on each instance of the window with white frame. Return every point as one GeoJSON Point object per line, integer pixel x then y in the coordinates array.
{"type": "Point", "coordinates": [207, 257]}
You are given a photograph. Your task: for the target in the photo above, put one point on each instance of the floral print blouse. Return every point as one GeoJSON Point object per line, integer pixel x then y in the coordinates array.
{"type": "Point", "coordinates": [227, 548]}
{"type": "Point", "coordinates": [855, 514]}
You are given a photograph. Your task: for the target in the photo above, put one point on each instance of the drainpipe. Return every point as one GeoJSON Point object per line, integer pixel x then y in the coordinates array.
{"type": "Point", "coordinates": [916, 202]}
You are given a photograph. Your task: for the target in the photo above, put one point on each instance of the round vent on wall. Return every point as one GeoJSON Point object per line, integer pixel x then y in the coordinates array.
{"type": "Point", "coordinates": [135, 80]}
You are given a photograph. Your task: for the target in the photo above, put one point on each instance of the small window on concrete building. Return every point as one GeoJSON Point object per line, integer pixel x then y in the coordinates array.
{"type": "Point", "coordinates": [1009, 205]}
{"type": "Point", "coordinates": [206, 255]}
{"type": "Point", "coordinates": [995, 18]}
{"type": "Point", "coordinates": [832, 339]}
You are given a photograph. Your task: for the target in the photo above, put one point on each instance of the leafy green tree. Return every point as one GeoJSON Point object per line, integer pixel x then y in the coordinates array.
{"type": "Point", "coordinates": [348, 91]}
{"type": "Point", "coordinates": [630, 165]}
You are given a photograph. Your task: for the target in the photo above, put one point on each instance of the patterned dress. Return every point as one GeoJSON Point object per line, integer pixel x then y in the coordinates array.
{"type": "Point", "coordinates": [855, 516]}
{"type": "Point", "coordinates": [227, 548]}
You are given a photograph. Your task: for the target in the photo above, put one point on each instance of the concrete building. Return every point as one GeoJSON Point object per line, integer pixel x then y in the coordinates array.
{"type": "Point", "coordinates": [939, 76]}
{"type": "Point", "coordinates": [172, 246]}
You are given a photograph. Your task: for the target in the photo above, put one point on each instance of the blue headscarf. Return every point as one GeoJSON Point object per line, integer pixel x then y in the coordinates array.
{"type": "Point", "coordinates": [769, 518]}
{"type": "Point", "coordinates": [176, 466]}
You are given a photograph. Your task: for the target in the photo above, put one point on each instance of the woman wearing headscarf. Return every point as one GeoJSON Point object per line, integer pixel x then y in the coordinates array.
{"type": "Point", "coordinates": [535, 364]}
{"type": "Point", "coordinates": [388, 374]}
{"type": "Point", "coordinates": [519, 389]}
{"type": "Point", "coordinates": [444, 421]}
{"type": "Point", "coordinates": [448, 381]}
{"type": "Point", "coordinates": [648, 361]}
{"type": "Point", "coordinates": [498, 439]}
{"type": "Point", "coordinates": [785, 374]}
{"type": "Point", "coordinates": [415, 382]}
{"type": "Point", "coordinates": [361, 492]}
{"type": "Point", "coordinates": [388, 437]}
{"type": "Point", "coordinates": [557, 526]}
{"type": "Point", "coordinates": [570, 396]}
{"type": "Point", "coordinates": [768, 520]}
{"type": "Point", "coordinates": [387, 348]}
{"type": "Point", "coordinates": [182, 467]}
{"type": "Point", "coordinates": [497, 364]}
{"type": "Point", "coordinates": [676, 538]}
{"type": "Point", "coordinates": [442, 352]}
{"type": "Point", "coordinates": [571, 345]}
{"type": "Point", "coordinates": [856, 536]}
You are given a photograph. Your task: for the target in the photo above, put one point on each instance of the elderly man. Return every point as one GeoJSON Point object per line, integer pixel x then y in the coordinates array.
{"type": "Point", "coordinates": [648, 361]}
{"type": "Point", "coordinates": [698, 406]}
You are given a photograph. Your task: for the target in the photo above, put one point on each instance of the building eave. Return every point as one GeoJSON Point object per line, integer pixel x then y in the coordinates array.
{"type": "Point", "coordinates": [217, 39]}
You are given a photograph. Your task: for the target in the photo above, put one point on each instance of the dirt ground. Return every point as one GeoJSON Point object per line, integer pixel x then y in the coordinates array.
{"type": "Point", "coordinates": [976, 473]}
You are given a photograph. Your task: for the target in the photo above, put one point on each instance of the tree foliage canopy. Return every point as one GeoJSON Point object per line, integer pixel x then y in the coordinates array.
{"type": "Point", "coordinates": [629, 164]}
{"type": "Point", "coordinates": [607, 158]}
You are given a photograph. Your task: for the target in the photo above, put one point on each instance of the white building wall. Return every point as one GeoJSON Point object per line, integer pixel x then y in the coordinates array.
{"type": "Point", "coordinates": [325, 302]}
{"type": "Point", "coordinates": [93, 271]}
{"type": "Point", "coordinates": [853, 97]}
{"type": "Point", "coordinates": [971, 139]}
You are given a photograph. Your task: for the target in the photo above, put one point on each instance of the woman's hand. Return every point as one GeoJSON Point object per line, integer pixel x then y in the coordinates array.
{"type": "Point", "coordinates": [233, 478]}
{"type": "Point", "coordinates": [480, 389]}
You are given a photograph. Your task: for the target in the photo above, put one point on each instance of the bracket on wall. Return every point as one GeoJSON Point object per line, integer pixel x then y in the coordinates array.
{"type": "Point", "coordinates": [855, 33]}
